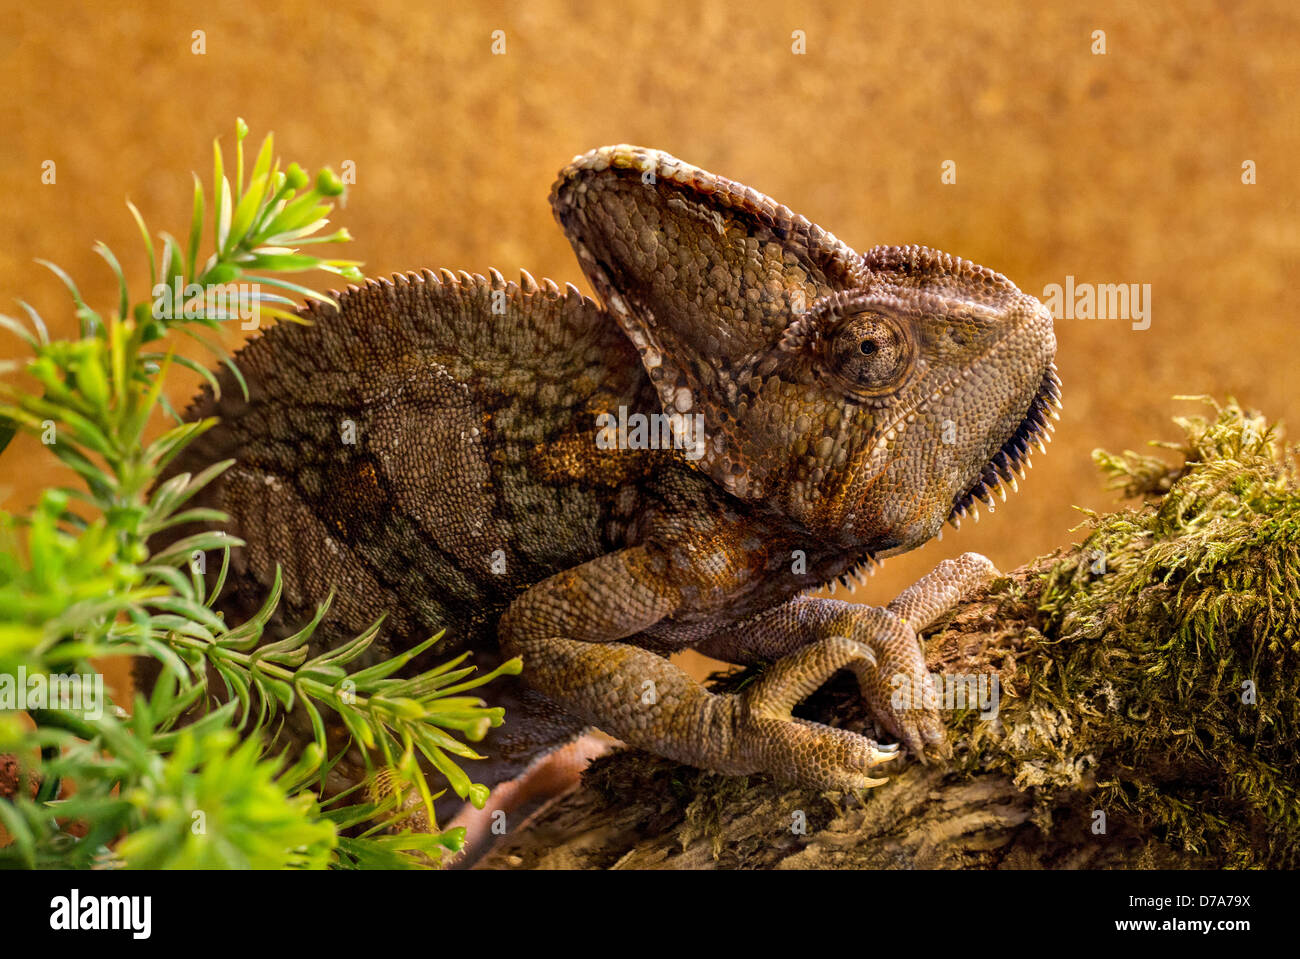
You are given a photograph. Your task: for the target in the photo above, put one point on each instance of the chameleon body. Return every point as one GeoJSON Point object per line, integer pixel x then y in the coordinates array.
{"type": "Point", "coordinates": [432, 450]}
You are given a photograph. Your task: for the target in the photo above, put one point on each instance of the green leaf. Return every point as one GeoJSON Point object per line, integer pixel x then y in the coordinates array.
{"type": "Point", "coordinates": [148, 244]}
{"type": "Point", "coordinates": [245, 635]}
{"type": "Point", "coordinates": [20, 331]}
{"type": "Point", "coordinates": [282, 262]}
{"type": "Point", "coordinates": [123, 295]}
{"type": "Point", "coordinates": [247, 209]}
{"type": "Point", "coordinates": [196, 228]}
{"type": "Point", "coordinates": [296, 288]}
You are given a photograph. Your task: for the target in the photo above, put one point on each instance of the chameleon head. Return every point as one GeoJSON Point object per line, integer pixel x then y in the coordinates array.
{"type": "Point", "coordinates": [938, 377]}
{"type": "Point", "coordinates": [868, 397]}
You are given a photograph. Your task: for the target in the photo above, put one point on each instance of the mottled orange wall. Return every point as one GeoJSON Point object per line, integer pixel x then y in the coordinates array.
{"type": "Point", "coordinates": [1117, 168]}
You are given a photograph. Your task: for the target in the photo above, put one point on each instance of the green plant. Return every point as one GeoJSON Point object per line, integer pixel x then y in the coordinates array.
{"type": "Point", "coordinates": [78, 582]}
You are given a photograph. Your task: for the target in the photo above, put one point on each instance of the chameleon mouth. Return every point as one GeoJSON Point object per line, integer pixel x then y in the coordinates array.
{"type": "Point", "coordinates": [1013, 458]}
{"type": "Point", "coordinates": [1007, 463]}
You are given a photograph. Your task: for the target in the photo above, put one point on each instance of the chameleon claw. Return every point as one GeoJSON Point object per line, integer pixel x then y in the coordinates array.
{"type": "Point", "coordinates": [882, 754]}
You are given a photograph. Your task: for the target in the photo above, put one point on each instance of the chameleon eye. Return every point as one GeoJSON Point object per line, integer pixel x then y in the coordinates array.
{"type": "Point", "coordinates": [870, 353]}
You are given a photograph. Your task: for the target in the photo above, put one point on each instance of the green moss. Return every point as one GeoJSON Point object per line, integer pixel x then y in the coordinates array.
{"type": "Point", "coordinates": [1167, 671]}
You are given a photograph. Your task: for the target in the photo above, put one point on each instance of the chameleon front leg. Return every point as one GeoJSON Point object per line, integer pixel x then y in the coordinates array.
{"type": "Point", "coordinates": [890, 633]}
{"type": "Point", "coordinates": [567, 629]}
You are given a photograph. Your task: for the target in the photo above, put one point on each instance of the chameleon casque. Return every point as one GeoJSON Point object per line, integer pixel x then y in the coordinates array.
{"type": "Point", "coordinates": [851, 404]}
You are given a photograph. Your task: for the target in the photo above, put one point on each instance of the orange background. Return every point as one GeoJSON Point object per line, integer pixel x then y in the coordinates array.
{"type": "Point", "coordinates": [1122, 168]}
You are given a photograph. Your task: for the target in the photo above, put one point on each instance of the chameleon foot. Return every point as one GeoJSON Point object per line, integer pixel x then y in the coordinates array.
{"type": "Point", "coordinates": [797, 750]}
{"type": "Point", "coordinates": [897, 685]}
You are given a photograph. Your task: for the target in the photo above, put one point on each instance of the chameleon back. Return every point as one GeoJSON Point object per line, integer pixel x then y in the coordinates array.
{"type": "Point", "coordinates": [419, 453]}
{"type": "Point", "coordinates": [426, 452]}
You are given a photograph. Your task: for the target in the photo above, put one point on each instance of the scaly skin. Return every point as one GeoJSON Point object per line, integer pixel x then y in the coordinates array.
{"type": "Point", "coordinates": [852, 403]}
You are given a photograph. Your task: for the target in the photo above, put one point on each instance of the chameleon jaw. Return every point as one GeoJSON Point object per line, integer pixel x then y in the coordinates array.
{"type": "Point", "coordinates": [1013, 458]}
